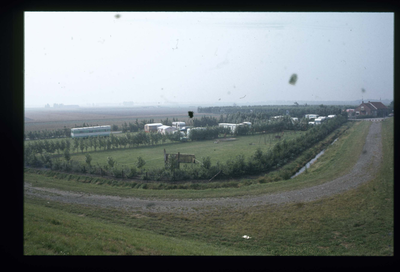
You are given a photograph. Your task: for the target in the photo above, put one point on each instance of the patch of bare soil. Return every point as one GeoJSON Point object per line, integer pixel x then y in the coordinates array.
{"type": "Point", "coordinates": [364, 170]}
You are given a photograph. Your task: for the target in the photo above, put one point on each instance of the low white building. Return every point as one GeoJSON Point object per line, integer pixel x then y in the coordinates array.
{"type": "Point", "coordinates": [331, 116]}
{"type": "Point", "coordinates": [311, 123]}
{"type": "Point", "coordinates": [311, 116]}
{"type": "Point", "coordinates": [166, 129]}
{"type": "Point", "coordinates": [246, 124]}
{"type": "Point", "coordinates": [232, 127]}
{"type": "Point", "coordinates": [152, 127]}
{"type": "Point", "coordinates": [178, 125]}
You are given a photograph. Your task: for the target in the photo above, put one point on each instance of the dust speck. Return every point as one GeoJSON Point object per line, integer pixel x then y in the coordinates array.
{"type": "Point", "coordinates": [293, 79]}
{"type": "Point", "coordinates": [117, 16]}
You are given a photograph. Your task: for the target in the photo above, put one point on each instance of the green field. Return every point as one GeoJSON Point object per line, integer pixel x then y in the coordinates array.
{"type": "Point", "coordinates": [358, 222]}
{"type": "Point", "coordinates": [340, 155]}
{"type": "Point", "coordinates": [154, 155]}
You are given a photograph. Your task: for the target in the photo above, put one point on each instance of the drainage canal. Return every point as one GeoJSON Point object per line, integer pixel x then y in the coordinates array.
{"type": "Point", "coordinates": [311, 162]}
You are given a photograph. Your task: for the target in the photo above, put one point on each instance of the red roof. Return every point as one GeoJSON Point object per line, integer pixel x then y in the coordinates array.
{"type": "Point", "coordinates": [378, 105]}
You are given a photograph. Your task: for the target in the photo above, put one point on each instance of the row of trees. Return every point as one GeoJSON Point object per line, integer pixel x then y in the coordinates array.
{"type": "Point", "coordinates": [260, 162]}
{"type": "Point", "coordinates": [111, 168]}
{"type": "Point", "coordinates": [125, 127]}
{"type": "Point", "coordinates": [94, 143]}
{"type": "Point", "coordinates": [239, 114]}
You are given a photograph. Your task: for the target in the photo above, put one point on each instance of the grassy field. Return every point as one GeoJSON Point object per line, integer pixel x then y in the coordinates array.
{"type": "Point", "coordinates": [357, 222]}
{"type": "Point", "coordinates": [154, 155]}
{"type": "Point", "coordinates": [337, 160]}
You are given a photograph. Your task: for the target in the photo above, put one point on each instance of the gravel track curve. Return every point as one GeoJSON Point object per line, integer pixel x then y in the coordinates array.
{"type": "Point", "coordinates": [364, 170]}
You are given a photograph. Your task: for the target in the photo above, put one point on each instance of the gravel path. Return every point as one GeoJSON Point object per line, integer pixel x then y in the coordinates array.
{"type": "Point", "coordinates": [364, 170]}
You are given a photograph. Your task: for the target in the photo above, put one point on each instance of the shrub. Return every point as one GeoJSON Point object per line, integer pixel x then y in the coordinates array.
{"type": "Point", "coordinates": [132, 172]}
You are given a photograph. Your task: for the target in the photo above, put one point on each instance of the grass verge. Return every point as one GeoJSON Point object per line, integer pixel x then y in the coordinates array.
{"type": "Point", "coordinates": [358, 222]}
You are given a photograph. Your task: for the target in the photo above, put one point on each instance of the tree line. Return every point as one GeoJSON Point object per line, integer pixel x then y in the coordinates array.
{"type": "Point", "coordinates": [233, 113]}
{"type": "Point", "coordinates": [259, 162]}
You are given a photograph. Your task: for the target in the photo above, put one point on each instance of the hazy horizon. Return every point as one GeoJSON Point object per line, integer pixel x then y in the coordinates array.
{"type": "Point", "coordinates": [206, 58]}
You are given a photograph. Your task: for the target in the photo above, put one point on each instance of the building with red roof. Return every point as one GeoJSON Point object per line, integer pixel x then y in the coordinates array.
{"type": "Point", "coordinates": [372, 108]}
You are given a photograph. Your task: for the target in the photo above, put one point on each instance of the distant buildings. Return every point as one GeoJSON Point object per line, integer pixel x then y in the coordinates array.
{"type": "Point", "coordinates": [152, 127]}
{"type": "Point", "coordinates": [166, 129]}
{"type": "Point", "coordinates": [372, 108]}
{"type": "Point", "coordinates": [55, 105]}
{"type": "Point", "coordinates": [233, 127]}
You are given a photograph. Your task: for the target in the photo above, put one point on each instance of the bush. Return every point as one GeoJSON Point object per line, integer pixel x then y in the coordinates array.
{"type": "Point", "coordinates": [116, 172]}
{"type": "Point", "coordinates": [132, 172]}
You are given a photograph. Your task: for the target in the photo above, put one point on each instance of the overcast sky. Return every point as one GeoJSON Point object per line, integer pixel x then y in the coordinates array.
{"type": "Point", "coordinates": [173, 58]}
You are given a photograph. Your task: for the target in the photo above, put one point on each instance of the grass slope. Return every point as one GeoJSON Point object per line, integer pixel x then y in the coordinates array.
{"type": "Point", "coordinates": [357, 222]}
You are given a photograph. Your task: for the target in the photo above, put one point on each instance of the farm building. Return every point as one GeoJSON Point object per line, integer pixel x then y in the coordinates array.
{"type": "Point", "coordinates": [86, 132]}
{"type": "Point", "coordinates": [178, 125]}
{"type": "Point", "coordinates": [319, 120]}
{"type": "Point", "coordinates": [152, 127]}
{"type": "Point", "coordinates": [311, 116]}
{"type": "Point", "coordinates": [372, 108]}
{"type": "Point", "coordinates": [246, 124]}
{"type": "Point", "coordinates": [234, 126]}
{"type": "Point", "coordinates": [166, 129]}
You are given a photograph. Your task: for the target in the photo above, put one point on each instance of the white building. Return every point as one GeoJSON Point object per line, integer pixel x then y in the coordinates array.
{"type": "Point", "coordinates": [318, 121]}
{"type": "Point", "coordinates": [178, 125]}
{"type": "Point", "coordinates": [246, 124]}
{"type": "Point", "coordinates": [331, 116]}
{"type": "Point", "coordinates": [232, 127]}
{"type": "Point", "coordinates": [311, 116]}
{"type": "Point", "coordinates": [152, 127]}
{"type": "Point", "coordinates": [166, 129]}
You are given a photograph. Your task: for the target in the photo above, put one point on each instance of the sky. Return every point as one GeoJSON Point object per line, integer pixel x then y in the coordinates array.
{"type": "Point", "coordinates": [196, 58]}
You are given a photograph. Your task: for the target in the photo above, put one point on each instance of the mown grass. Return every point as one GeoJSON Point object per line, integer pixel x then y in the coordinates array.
{"type": "Point", "coordinates": [356, 222]}
{"type": "Point", "coordinates": [51, 231]}
{"type": "Point", "coordinates": [154, 155]}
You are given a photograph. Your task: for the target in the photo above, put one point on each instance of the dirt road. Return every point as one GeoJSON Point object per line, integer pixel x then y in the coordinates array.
{"type": "Point", "coordinates": [364, 170]}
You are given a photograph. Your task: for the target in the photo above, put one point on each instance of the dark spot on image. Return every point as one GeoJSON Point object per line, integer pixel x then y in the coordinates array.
{"type": "Point", "coordinates": [293, 79]}
{"type": "Point", "coordinates": [190, 114]}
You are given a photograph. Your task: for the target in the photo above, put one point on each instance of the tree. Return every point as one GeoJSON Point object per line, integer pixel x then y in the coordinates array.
{"type": "Point", "coordinates": [95, 143]}
{"type": "Point", "coordinates": [57, 147]}
{"type": "Point", "coordinates": [110, 161]}
{"type": "Point", "coordinates": [67, 156]}
{"type": "Point", "coordinates": [76, 144]}
{"type": "Point", "coordinates": [206, 162]}
{"type": "Point", "coordinates": [140, 163]}
{"type": "Point", "coordinates": [81, 144]}
{"type": "Point", "coordinates": [88, 159]}
{"type": "Point", "coordinates": [390, 107]}
{"type": "Point", "coordinates": [67, 144]}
